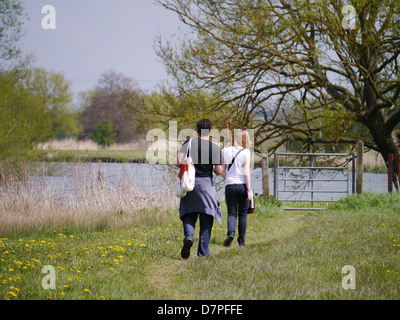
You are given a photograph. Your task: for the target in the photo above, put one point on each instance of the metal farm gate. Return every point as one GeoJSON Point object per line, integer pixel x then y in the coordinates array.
{"type": "Point", "coordinates": [312, 182]}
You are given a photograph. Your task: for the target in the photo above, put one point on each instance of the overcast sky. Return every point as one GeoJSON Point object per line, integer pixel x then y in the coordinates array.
{"type": "Point", "coordinates": [93, 36]}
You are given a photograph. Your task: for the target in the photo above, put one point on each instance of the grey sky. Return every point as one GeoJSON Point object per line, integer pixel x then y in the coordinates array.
{"type": "Point", "coordinates": [93, 36]}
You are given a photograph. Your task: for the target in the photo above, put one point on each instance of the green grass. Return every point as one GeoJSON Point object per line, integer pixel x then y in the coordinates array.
{"type": "Point", "coordinates": [288, 255]}
{"type": "Point", "coordinates": [91, 155]}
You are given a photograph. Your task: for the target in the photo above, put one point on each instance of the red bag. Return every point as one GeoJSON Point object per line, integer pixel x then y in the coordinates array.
{"type": "Point", "coordinates": [252, 205]}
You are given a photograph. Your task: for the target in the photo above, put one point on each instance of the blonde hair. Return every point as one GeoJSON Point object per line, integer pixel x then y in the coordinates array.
{"type": "Point", "coordinates": [242, 139]}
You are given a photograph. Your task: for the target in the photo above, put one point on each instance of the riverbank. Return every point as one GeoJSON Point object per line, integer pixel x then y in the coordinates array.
{"type": "Point", "coordinates": [288, 255]}
{"type": "Point", "coordinates": [106, 155]}
{"type": "Point", "coordinates": [372, 163]}
{"type": "Point", "coordinates": [72, 150]}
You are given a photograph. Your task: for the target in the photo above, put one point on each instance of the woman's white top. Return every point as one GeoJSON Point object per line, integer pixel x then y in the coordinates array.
{"type": "Point", "coordinates": [235, 175]}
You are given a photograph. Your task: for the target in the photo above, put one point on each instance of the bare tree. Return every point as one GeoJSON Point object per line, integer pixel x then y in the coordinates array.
{"type": "Point", "coordinates": [107, 104]}
{"type": "Point", "coordinates": [296, 67]}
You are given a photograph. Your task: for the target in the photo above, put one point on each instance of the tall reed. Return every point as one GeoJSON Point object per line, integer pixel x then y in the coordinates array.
{"type": "Point", "coordinates": [87, 195]}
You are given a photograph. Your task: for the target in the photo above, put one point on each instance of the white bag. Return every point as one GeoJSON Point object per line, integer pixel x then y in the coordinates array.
{"type": "Point", "coordinates": [187, 173]}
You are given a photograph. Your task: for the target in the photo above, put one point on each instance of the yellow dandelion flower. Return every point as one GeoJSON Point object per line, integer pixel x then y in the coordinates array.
{"type": "Point", "coordinates": [86, 290]}
{"type": "Point", "coordinates": [12, 293]}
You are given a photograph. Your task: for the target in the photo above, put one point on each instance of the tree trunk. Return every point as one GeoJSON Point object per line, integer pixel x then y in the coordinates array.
{"type": "Point", "coordinates": [384, 141]}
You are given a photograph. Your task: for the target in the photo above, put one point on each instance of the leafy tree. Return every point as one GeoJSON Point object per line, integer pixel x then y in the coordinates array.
{"type": "Point", "coordinates": [54, 92]}
{"type": "Point", "coordinates": [295, 67]}
{"type": "Point", "coordinates": [103, 133]}
{"type": "Point", "coordinates": [11, 22]}
{"type": "Point", "coordinates": [159, 108]}
{"type": "Point", "coordinates": [24, 121]}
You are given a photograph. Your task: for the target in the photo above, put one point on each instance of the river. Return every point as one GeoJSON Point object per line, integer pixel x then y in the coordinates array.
{"type": "Point", "coordinates": [65, 178]}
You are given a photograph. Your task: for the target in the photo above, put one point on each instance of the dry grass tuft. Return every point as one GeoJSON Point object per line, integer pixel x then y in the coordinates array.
{"type": "Point", "coordinates": [84, 197]}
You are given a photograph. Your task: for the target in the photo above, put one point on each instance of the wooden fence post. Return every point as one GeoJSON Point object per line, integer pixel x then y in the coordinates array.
{"type": "Point", "coordinates": [397, 170]}
{"type": "Point", "coordinates": [390, 172]}
{"type": "Point", "coordinates": [359, 167]}
{"type": "Point", "coordinates": [276, 159]}
{"type": "Point", "coordinates": [265, 172]}
{"type": "Point", "coordinates": [353, 173]}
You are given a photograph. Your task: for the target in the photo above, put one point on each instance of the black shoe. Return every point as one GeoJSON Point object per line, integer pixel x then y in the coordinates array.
{"type": "Point", "coordinates": [187, 244]}
{"type": "Point", "coordinates": [228, 241]}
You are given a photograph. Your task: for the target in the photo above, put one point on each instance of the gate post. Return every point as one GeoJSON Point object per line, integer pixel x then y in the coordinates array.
{"type": "Point", "coordinates": [276, 159]}
{"type": "Point", "coordinates": [265, 172]}
{"type": "Point", "coordinates": [397, 171]}
{"type": "Point", "coordinates": [359, 167]}
{"type": "Point", "coordinates": [390, 172]}
{"type": "Point", "coordinates": [353, 173]}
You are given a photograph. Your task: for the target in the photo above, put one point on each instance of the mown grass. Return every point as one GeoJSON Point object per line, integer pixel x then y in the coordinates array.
{"type": "Point", "coordinates": [302, 258]}
{"type": "Point", "coordinates": [288, 255]}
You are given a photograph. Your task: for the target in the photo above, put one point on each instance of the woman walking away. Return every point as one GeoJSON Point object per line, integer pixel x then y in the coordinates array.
{"type": "Point", "coordinates": [238, 193]}
{"type": "Point", "coordinates": [202, 202]}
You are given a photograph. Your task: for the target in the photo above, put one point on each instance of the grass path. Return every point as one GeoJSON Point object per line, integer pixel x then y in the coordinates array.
{"type": "Point", "coordinates": [166, 278]}
{"type": "Point", "coordinates": [296, 255]}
